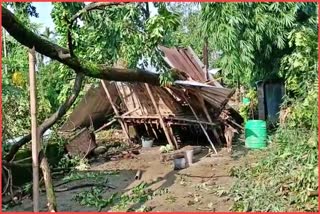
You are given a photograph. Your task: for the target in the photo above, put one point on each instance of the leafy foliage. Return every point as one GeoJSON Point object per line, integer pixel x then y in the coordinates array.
{"type": "Point", "coordinates": [284, 176]}
{"type": "Point", "coordinates": [288, 171]}
{"type": "Point", "coordinates": [253, 37]}
{"type": "Point", "coordinates": [97, 176]}
{"type": "Point", "coordinates": [118, 32]}
{"type": "Point", "coordinates": [138, 195]}
{"type": "Point", "coordinates": [247, 110]}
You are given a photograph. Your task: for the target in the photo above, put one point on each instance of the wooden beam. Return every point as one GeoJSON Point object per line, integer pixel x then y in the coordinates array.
{"type": "Point", "coordinates": [216, 135]}
{"type": "Point", "coordinates": [173, 137]}
{"type": "Point", "coordinates": [116, 111]}
{"type": "Point", "coordinates": [160, 117]}
{"type": "Point", "coordinates": [167, 119]}
{"type": "Point", "coordinates": [105, 125]}
{"type": "Point", "coordinates": [203, 129]}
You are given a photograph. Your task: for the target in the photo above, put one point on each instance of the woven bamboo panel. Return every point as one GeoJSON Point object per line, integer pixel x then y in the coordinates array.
{"type": "Point", "coordinates": [82, 144]}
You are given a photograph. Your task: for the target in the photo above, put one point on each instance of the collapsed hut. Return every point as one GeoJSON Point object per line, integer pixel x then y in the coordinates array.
{"type": "Point", "coordinates": [195, 102]}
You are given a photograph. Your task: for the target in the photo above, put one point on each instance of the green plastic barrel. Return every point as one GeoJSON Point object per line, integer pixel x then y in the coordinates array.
{"type": "Point", "coordinates": [246, 101]}
{"type": "Point", "coordinates": [256, 134]}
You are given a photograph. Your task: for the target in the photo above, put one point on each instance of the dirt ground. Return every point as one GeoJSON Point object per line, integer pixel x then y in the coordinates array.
{"type": "Point", "coordinates": [200, 187]}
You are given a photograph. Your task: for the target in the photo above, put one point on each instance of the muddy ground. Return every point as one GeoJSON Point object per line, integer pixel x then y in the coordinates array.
{"type": "Point", "coordinates": [200, 187]}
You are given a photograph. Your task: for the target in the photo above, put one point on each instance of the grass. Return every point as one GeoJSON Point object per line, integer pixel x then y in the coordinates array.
{"type": "Point", "coordinates": [282, 178]}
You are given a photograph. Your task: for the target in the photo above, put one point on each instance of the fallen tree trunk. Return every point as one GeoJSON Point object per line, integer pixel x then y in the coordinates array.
{"type": "Point", "coordinates": [29, 39]}
{"type": "Point", "coordinates": [51, 198]}
{"type": "Point", "coordinates": [49, 122]}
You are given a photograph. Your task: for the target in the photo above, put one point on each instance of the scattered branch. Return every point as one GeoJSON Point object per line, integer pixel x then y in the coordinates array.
{"type": "Point", "coordinates": [94, 6]}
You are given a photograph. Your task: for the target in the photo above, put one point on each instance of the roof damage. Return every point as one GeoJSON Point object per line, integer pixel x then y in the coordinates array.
{"type": "Point", "coordinates": [193, 102]}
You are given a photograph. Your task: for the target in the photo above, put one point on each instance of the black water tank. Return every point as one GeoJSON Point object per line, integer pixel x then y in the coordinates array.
{"type": "Point", "coordinates": [270, 98]}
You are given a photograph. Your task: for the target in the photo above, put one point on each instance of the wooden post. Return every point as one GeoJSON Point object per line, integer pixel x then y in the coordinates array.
{"type": "Point", "coordinates": [203, 129]}
{"type": "Point", "coordinates": [205, 58]}
{"type": "Point", "coordinates": [173, 137]}
{"type": "Point", "coordinates": [34, 131]}
{"type": "Point", "coordinates": [160, 117]}
{"type": "Point", "coordinates": [209, 119]}
{"type": "Point", "coordinates": [116, 111]}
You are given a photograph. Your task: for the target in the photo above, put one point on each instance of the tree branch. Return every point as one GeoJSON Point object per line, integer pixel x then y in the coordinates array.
{"type": "Point", "coordinates": [49, 122]}
{"type": "Point", "coordinates": [87, 8]}
{"type": "Point", "coordinates": [94, 6]}
{"type": "Point", "coordinates": [29, 39]}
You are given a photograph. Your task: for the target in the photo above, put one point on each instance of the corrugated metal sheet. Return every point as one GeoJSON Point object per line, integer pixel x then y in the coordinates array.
{"type": "Point", "coordinates": [186, 61]}
{"type": "Point", "coordinates": [192, 83]}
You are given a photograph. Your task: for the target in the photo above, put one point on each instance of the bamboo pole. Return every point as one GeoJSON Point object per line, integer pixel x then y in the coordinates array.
{"type": "Point", "coordinates": [160, 117]}
{"type": "Point", "coordinates": [5, 49]}
{"type": "Point", "coordinates": [125, 130]}
{"type": "Point", "coordinates": [34, 131]}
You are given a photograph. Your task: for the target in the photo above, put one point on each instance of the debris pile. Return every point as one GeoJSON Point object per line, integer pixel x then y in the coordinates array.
{"type": "Point", "coordinates": [194, 103]}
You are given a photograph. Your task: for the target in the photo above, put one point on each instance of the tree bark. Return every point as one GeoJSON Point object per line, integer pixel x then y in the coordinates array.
{"type": "Point", "coordinates": [52, 203]}
{"type": "Point", "coordinates": [29, 39]}
{"type": "Point", "coordinates": [49, 122]}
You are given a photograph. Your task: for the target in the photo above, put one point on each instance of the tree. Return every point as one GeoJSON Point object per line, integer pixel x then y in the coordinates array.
{"type": "Point", "coordinates": [154, 30]}
{"type": "Point", "coordinates": [124, 33]}
{"type": "Point", "coordinates": [252, 36]}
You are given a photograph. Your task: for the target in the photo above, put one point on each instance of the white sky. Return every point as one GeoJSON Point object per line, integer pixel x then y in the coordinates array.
{"type": "Point", "coordinates": [44, 9]}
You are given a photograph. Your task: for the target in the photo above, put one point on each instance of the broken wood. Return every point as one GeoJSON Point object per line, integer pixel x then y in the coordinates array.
{"type": "Point", "coordinates": [173, 137]}
{"type": "Point", "coordinates": [116, 111]}
{"type": "Point", "coordinates": [203, 129]}
{"type": "Point", "coordinates": [209, 119]}
{"type": "Point", "coordinates": [105, 125]}
{"type": "Point", "coordinates": [164, 127]}
{"type": "Point", "coordinates": [313, 193]}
